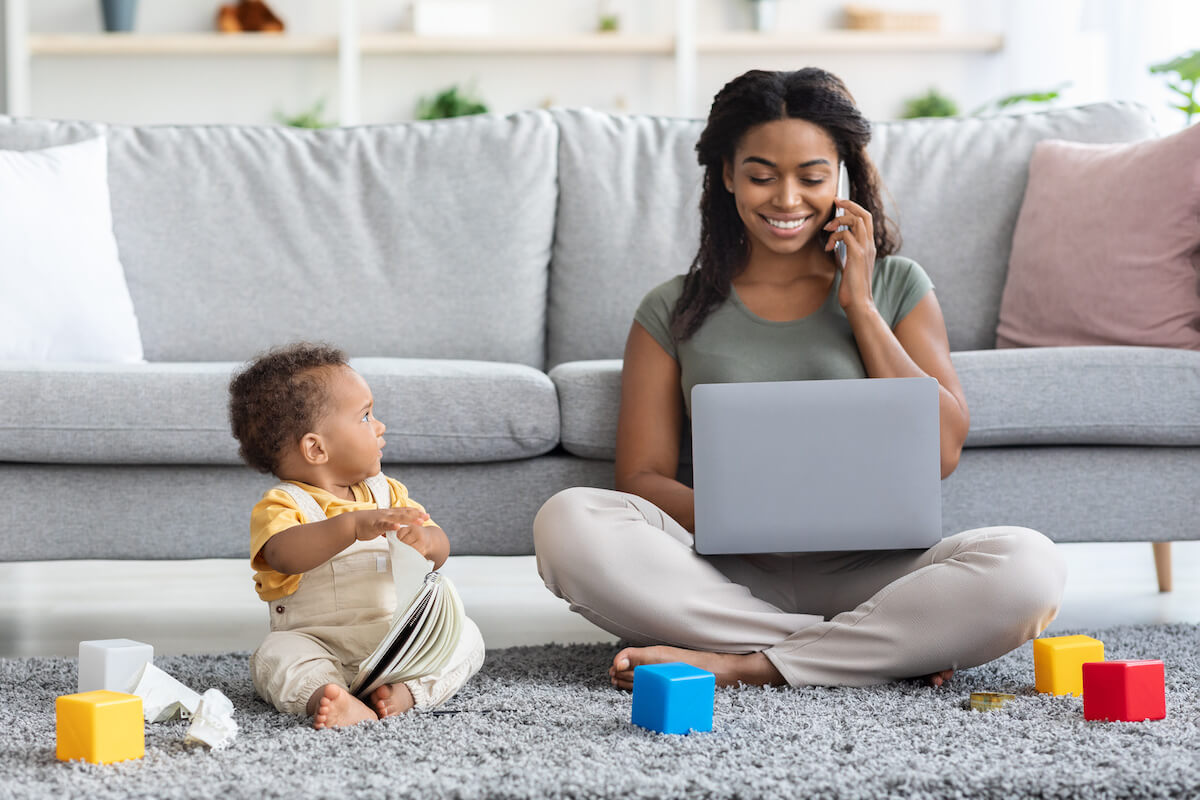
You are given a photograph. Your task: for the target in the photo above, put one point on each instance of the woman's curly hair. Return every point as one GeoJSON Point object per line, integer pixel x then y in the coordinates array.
{"type": "Point", "coordinates": [751, 99]}
{"type": "Point", "coordinates": [278, 398]}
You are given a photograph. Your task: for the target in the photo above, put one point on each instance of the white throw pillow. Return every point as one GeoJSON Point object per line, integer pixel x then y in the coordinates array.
{"type": "Point", "coordinates": [63, 295]}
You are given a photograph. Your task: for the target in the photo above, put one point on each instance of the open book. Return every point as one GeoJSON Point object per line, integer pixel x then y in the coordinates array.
{"type": "Point", "coordinates": [426, 627]}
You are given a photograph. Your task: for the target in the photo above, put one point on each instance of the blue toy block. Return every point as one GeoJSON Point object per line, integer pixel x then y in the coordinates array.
{"type": "Point", "coordinates": [673, 698]}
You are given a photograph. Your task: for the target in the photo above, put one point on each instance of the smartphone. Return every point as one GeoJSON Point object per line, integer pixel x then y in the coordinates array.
{"type": "Point", "coordinates": [843, 193]}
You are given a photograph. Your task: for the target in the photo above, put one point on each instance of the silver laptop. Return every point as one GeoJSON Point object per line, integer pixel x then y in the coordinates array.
{"type": "Point", "coordinates": [801, 466]}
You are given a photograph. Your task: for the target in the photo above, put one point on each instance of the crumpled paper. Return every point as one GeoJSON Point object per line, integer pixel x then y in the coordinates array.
{"type": "Point", "coordinates": [212, 722]}
{"type": "Point", "coordinates": [163, 697]}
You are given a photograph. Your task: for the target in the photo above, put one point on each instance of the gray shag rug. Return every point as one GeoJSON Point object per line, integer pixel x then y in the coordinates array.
{"type": "Point", "coordinates": [544, 722]}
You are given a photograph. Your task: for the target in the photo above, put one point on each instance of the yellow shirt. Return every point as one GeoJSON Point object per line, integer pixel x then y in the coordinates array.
{"type": "Point", "coordinates": [277, 511]}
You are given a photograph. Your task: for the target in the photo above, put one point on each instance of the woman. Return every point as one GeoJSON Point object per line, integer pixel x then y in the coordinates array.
{"type": "Point", "coordinates": [766, 299]}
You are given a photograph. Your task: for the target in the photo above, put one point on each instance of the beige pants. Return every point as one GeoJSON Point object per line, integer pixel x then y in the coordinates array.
{"type": "Point", "coordinates": [834, 619]}
{"type": "Point", "coordinates": [341, 611]}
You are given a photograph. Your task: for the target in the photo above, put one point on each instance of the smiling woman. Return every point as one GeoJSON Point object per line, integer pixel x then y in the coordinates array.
{"type": "Point", "coordinates": [766, 299]}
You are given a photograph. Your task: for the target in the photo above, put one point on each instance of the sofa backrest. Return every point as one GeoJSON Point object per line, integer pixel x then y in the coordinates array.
{"type": "Point", "coordinates": [427, 240]}
{"type": "Point", "coordinates": [629, 189]}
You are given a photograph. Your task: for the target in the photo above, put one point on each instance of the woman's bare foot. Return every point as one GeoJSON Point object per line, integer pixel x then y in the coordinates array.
{"type": "Point", "coordinates": [938, 678]}
{"type": "Point", "coordinates": [730, 668]}
{"type": "Point", "coordinates": [332, 706]}
{"type": "Point", "coordinates": [392, 699]}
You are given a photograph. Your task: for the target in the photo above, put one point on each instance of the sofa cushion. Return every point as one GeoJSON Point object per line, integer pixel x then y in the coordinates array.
{"type": "Point", "coordinates": [628, 215]}
{"type": "Point", "coordinates": [1107, 246]}
{"type": "Point", "coordinates": [589, 398]}
{"type": "Point", "coordinates": [436, 411]}
{"type": "Point", "coordinates": [65, 296]}
{"type": "Point", "coordinates": [1035, 396]}
{"type": "Point", "coordinates": [628, 219]}
{"type": "Point", "coordinates": [419, 240]}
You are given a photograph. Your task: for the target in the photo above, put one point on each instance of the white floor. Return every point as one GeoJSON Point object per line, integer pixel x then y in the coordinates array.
{"type": "Point", "coordinates": [47, 608]}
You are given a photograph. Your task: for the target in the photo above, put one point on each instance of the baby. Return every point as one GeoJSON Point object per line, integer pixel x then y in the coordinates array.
{"type": "Point", "coordinates": [317, 539]}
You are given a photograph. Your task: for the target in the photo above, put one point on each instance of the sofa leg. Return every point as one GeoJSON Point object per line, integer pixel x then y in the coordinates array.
{"type": "Point", "coordinates": [1162, 564]}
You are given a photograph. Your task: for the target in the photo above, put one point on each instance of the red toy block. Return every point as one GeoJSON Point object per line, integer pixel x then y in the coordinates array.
{"type": "Point", "coordinates": [1124, 691]}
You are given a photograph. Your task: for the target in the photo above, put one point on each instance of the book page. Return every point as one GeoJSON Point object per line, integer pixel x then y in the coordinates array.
{"type": "Point", "coordinates": [409, 569]}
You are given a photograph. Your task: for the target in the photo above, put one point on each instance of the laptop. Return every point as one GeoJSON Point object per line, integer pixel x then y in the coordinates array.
{"type": "Point", "coordinates": [816, 465]}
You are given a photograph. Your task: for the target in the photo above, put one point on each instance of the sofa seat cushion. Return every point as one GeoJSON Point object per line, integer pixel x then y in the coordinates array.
{"type": "Point", "coordinates": [1033, 396]}
{"type": "Point", "coordinates": [436, 411]}
{"type": "Point", "coordinates": [1081, 395]}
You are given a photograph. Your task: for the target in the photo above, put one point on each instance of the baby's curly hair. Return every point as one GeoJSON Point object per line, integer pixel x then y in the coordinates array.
{"type": "Point", "coordinates": [278, 398]}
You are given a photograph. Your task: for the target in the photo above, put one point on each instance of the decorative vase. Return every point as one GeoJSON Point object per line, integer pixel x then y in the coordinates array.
{"type": "Point", "coordinates": [118, 14]}
{"type": "Point", "coordinates": [765, 13]}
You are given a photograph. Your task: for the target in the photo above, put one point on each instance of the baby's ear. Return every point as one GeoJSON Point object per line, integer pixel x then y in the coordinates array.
{"type": "Point", "coordinates": [312, 449]}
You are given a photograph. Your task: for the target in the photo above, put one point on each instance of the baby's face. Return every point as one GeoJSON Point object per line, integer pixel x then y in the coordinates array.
{"type": "Point", "coordinates": [352, 436]}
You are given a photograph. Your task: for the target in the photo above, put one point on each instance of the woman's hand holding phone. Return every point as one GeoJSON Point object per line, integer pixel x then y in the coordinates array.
{"type": "Point", "coordinates": [852, 239]}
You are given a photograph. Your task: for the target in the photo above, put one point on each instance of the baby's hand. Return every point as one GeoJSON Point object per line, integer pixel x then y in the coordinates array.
{"type": "Point", "coordinates": [418, 538]}
{"type": "Point", "coordinates": [369, 524]}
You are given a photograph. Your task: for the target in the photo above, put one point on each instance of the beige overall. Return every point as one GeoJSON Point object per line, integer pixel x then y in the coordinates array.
{"type": "Point", "coordinates": [335, 618]}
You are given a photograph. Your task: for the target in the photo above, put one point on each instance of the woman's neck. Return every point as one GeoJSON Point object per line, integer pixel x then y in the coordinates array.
{"type": "Point", "coordinates": [783, 270]}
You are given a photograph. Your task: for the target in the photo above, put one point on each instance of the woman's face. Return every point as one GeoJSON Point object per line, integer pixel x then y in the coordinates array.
{"type": "Point", "coordinates": [784, 178]}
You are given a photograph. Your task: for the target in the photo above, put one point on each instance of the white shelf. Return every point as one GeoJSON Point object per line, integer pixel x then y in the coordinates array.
{"type": "Point", "coordinates": [180, 44]}
{"type": "Point", "coordinates": [842, 41]}
{"type": "Point", "coordinates": [570, 44]}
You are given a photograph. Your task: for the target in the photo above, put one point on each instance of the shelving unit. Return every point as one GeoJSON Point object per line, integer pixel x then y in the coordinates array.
{"type": "Point", "coordinates": [350, 46]}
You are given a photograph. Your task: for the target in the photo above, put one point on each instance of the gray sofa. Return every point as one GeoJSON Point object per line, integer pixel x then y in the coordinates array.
{"type": "Point", "coordinates": [483, 273]}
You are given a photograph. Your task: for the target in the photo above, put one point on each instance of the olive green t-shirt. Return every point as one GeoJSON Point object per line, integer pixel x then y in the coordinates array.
{"type": "Point", "coordinates": [734, 344]}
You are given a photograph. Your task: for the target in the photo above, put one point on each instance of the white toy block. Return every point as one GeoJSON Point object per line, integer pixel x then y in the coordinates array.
{"type": "Point", "coordinates": [112, 664]}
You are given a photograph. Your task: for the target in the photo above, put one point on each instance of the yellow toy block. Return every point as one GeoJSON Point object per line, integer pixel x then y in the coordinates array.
{"type": "Point", "coordinates": [1058, 662]}
{"type": "Point", "coordinates": [100, 727]}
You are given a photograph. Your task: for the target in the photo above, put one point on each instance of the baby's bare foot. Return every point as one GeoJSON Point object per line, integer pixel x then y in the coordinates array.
{"type": "Point", "coordinates": [729, 668]}
{"type": "Point", "coordinates": [392, 699]}
{"type": "Point", "coordinates": [337, 708]}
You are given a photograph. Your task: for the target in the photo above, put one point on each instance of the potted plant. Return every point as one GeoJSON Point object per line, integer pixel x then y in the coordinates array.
{"type": "Point", "coordinates": [931, 104]}
{"type": "Point", "coordinates": [450, 103]}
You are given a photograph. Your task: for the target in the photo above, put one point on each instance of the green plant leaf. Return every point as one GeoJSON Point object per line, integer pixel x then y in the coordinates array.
{"type": "Point", "coordinates": [1043, 96]}
{"type": "Point", "coordinates": [1026, 97]}
{"type": "Point", "coordinates": [1187, 66]}
{"type": "Point", "coordinates": [310, 119]}
{"type": "Point", "coordinates": [1177, 88]}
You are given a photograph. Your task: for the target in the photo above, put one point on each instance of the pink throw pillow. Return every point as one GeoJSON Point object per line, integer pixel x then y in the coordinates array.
{"type": "Point", "coordinates": [1107, 246]}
